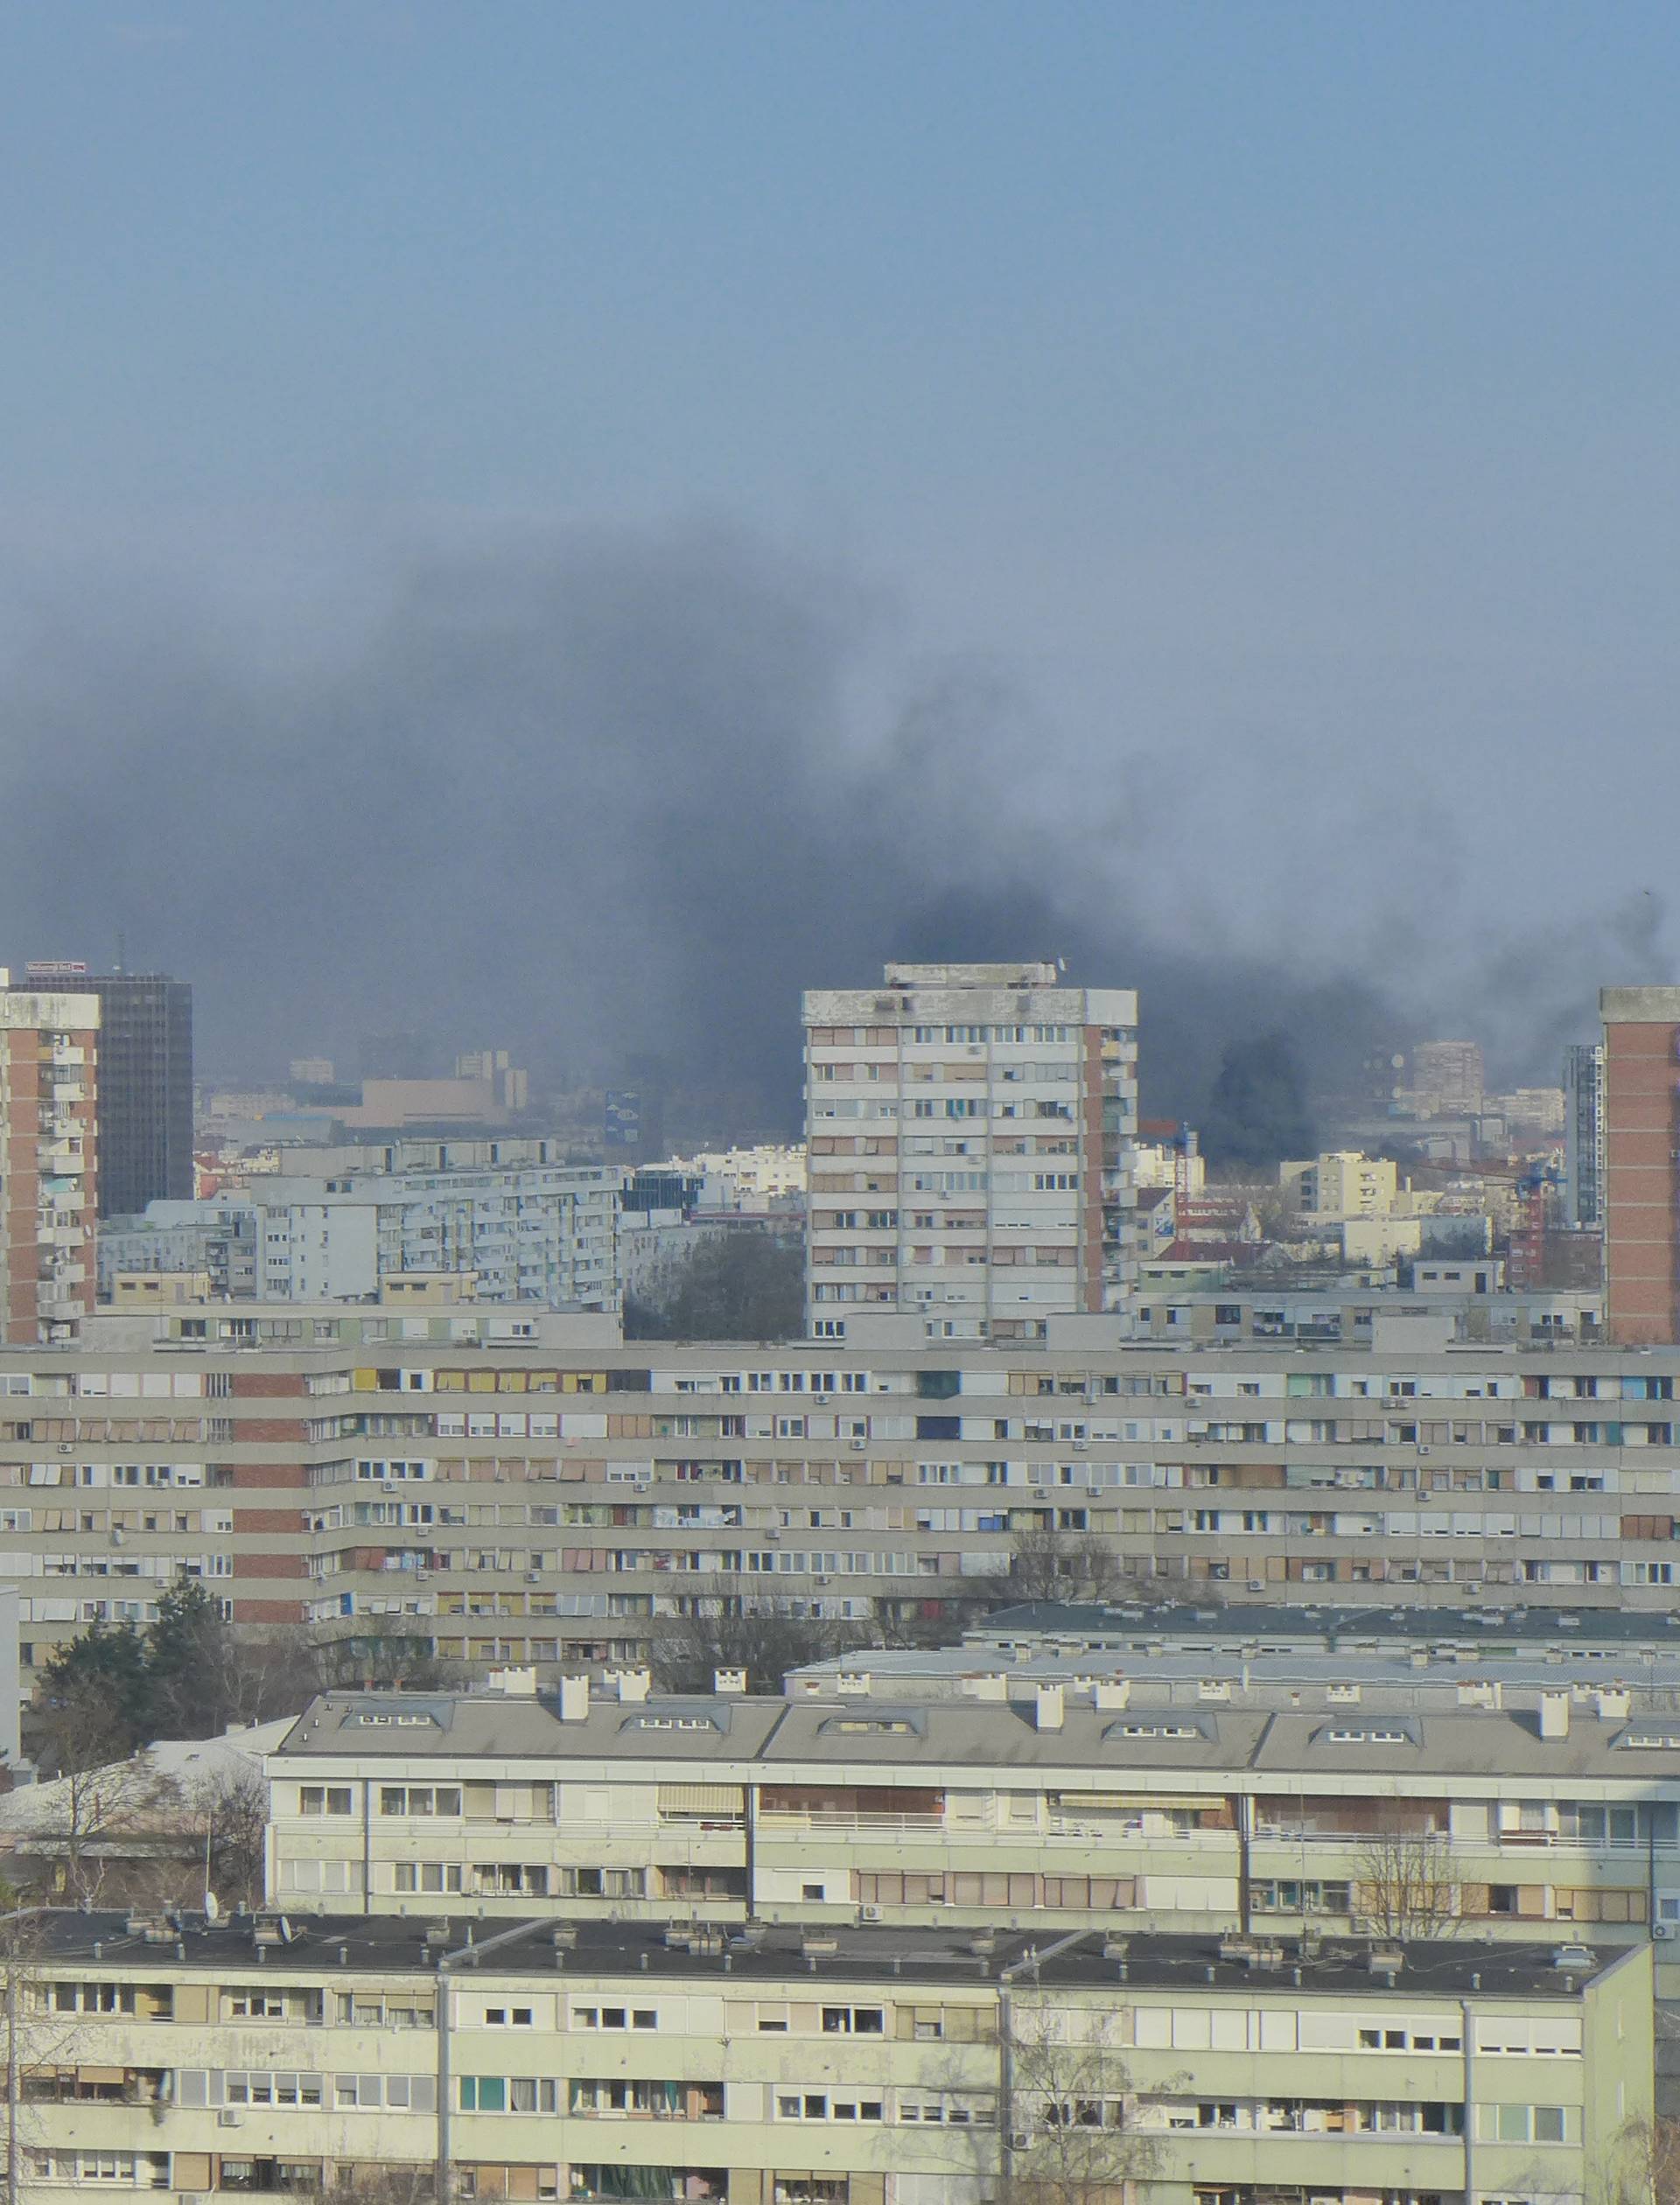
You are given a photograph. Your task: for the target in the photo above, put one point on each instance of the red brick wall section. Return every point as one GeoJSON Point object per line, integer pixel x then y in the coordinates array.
{"type": "Point", "coordinates": [267, 1477]}
{"type": "Point", "coordinates": [1642, 1240]}
{"type": "Point", "coordinates": [288, 1522]}
{"type": "Point", "coordinates": [270, 1565]}
{"type": "Point", "coordinates": [267, 1611]}
{"type": "Point", "coordinates": [256, 1385]}
{"type": "Point", "coordinates": [283, 1431]}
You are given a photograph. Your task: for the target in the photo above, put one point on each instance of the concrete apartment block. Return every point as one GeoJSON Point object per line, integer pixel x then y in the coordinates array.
{"type": "Point", "coordinates": [969, 1130]}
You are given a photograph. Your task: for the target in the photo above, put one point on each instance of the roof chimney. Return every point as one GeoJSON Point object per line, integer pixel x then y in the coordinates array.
{"type": "Point", "coordinates": [1112, 1691]}
{"type": "Point", "coordinates": [1615, 1705]}
{"type": "Point", "coordinates": [1554, 1714]}
{"type": "Point", "coordinates": [518, 1684]}
{"type": "Point", "coordinates": [633, 1684]}
{"type": "Point", "coordinates": [730, 1682]}
{"type": "Point", "coordinates": [574, 1699]}
{"type": "Point", "coordinates": [852, 1683]}
{"type": "Point", "coordinates": [986, 1685]}
{"type": "Point", "coordinates": [1049, 1702]}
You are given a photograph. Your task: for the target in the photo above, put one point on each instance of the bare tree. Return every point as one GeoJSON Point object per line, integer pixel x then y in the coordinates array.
{"type": "Point", "coordinates": [763, 1642]}
{"type": "Point", "coordinates": [1048, 1564]}
{"type": "Point", "coordinates": [376, 2183]}
{"type": "Point", "coordinates": [37, 2041]}
{"type": "Point", "coordinates": [742, 1283]}
{"type": "Point", "coordinates": [1406, 1883]}
{"type": "Point", "coordinates": [93, 1817]}
{"type": "Point", "coordinates": [395, 1661]}
{"type": "Point", "coordinates": [231, 1808]}
{"type": "Point", "coordinates": [1068, 2132]}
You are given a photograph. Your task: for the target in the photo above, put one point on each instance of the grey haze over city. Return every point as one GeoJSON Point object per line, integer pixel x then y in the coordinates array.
{"type": "Point", "coordinates": [627, 791]}
{"type": "Point", "coordinates": [755, 495]}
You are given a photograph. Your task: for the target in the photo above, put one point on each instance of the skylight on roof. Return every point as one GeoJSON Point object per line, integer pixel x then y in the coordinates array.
{"type": "Point", "coordinates": [1164, 1728]}
{"type": "Point", "coordinates": [1365, 1738]}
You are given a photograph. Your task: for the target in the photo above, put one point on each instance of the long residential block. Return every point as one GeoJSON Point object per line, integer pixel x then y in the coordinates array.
{"type": "Point", "coordinates": [779, 2068]}
{"type": "Point", "coordinates": [1100, 1799]}
{"type": "Point", "coordinates": [516, 1487]}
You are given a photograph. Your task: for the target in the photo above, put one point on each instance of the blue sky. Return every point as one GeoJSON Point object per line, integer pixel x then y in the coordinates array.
{"type": "Point", "coordinates": [853, 254]}
{"type": "Point", "coordinates": [1281, 397]}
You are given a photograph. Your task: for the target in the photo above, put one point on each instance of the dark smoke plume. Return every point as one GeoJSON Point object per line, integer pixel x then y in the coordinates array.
{"type": "Point", "coordinates": [1256, 1113]}
{"type": "Point", "coordinates": [588, 794]}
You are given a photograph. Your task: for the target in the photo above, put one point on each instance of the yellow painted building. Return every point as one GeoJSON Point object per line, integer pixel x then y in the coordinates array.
{"type": "Point", "coordinates": [768, 2067]}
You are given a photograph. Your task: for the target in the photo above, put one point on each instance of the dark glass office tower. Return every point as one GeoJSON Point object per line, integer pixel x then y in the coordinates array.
{"type": "Point", "coordinates": [144, 1089]}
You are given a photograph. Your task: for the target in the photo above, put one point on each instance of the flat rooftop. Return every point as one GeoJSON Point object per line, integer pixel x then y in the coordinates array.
{"type": "Point", "coordinates": [1262, 1627]}
{"type": "Point", "coordinates": [1170, 1675]}
{"type": "Point", "coordinates": [650, 1953]}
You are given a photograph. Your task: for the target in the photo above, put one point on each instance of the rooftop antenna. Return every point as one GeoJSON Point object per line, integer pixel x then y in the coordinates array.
{"type": "Point", "coordinates": [118, 966]}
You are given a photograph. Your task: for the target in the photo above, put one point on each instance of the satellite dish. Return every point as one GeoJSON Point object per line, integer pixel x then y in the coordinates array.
{"type": "Point", "coordinates": [212, 1907]}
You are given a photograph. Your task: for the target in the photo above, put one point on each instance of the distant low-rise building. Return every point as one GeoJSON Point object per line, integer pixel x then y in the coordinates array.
{"type": "Point", "coordinates": [217, 1240]}
{"type": "Point", "coordinates": [1339, 1184]}
{"type": "Point", "coordinates": [746, 1178]}
{"type": "Point", "coordinates": [544, 1233]}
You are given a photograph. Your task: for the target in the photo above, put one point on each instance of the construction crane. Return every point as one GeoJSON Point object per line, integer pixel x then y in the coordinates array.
{"type": "Point", "coordinates": [1529, 1238]}
{"type": "Point", "coordinates": [1529, 1180]}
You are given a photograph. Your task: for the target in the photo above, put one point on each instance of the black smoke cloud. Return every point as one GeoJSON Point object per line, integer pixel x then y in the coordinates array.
{"type": "Point", "coordinates": [592, 794]}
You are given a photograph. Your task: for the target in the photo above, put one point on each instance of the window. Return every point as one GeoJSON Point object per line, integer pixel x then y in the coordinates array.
{"type": "Point", "coordinates": [508, 2017]}
{"type": "Point", "coordinates": [362, 2011]}
{"type": "Point", "coordinates": [614, 2017]}
{"type": "Point", "coordinates": [1286, 1895]}
{"type": "Point", "coordinates": [1427, 2038]}
{"type": "Point", "coordinates": [405, 2093]}
{"type": "Point", "coordinates": [845, 2020]}
{"type": "Point", "coordinates": [240, 2088]}
{"type": "Point", "coordinates": [818, 2106]}
{"type": "Point", "coordinates": [324, 1799]}
{"type": "Point", "coordinates": [1522, 2123]}
{"type": "Point", "coordinates": [429, 1875]}
{"type": "Point", "coordinates": [92, 1997]}
{"type": "Point", "coordinates": [419, 1799]}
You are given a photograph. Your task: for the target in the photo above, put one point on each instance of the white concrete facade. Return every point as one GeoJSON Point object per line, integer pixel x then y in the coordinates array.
{"type": "Point", "coordinates": [540, 1233]}
{"type": "Point", "coordinates": [968, 1129]}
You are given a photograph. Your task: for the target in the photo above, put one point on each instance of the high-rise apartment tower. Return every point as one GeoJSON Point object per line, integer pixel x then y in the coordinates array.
{"type": "Point", "coordinates": [1642, 1179]}
{"type": "Point", "coordinates": [1584, 1134]}
{"type": "Point", "coordinates": [970, 1129]}
{"type": "Point", "coordinates": [1448, 1075]}
{"type": "Point", "coordinates": [145, 1083]}
{"type": "Point", "coordinates": [48, 1163]}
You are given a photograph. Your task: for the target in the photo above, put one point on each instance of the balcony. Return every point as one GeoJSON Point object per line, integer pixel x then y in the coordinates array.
{"type": "Point", "coordinates": [889, 1827]}
{"type": "Point", "coordinates": [93, 2086]}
